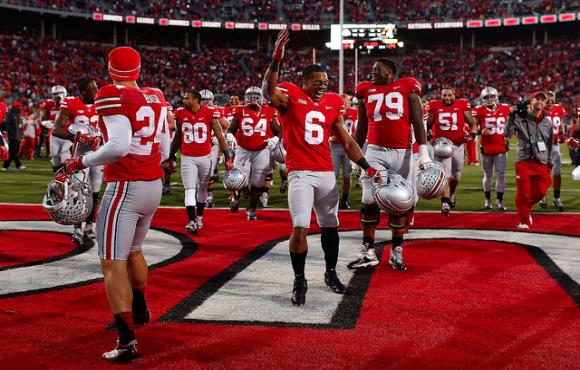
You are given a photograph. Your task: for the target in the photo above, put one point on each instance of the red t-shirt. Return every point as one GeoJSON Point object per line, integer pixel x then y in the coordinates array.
{"type": "Point", "coordinates": [146, 109]}
{"type": "Point", "coordinates": [196, 130]}
{"type": "Point", "coordinates": [493, 141]}
{"type": "Point", "coordinates": [254, 126]}
{"type": "Point", "coordinates": [387, 108]}
{"type": "Point", "coordinates": [306, 127]}
{"type": "Point", "coordinates": [556, 116]}
{"type": "Point", "coordinates": [449, 120]}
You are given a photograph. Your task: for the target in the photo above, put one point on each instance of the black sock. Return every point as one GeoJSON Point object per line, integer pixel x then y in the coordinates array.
{"type": "Point", "coordinates": [124, 321]}
{"type": "Point", "coordinates": [556, 193]}
{"type": "Point", "coordinates": [397, 241]}
{"type": "Point", "coordinates": [445, 200]}
{"type": "Point", "coordinates": [200, 208]}
{"type": "Point", "coordinates": [330, 240]}
{"type": "Point", "coordinates": [78, 226]}
{"type": "Point", "coordinates": [368, 242]}
{"type": "Point", "coordinates": [487, 194]}
{"type": "Point", "coordinates": [344, 197]}
{"type": "Point", "coordinates": [298, 262]}
{"type": "Point", "coordinates": [92, 216]}
{"type": "Point", "coordinates": [190, 212]}
{"type": "Point", "coordinates": [500, 196]}
{"type": "Point", "coordinates": [139, 304]}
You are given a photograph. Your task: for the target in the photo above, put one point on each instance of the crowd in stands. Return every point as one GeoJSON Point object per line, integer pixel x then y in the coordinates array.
{"type": "Point", "coordinates": [312, 11]}
{"type": "Point", "coordinates": [31, 66]}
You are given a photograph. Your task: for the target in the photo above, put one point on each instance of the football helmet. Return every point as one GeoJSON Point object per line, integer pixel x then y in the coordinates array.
{"type": "Point", "coordinates": [392, 192]}
{"type": "Point", "coordinates": [68, 198]}
{"type": "Point", "coordinates": [431, 180]}
{"type": "Point", "coordinates": [235, 179]}
{"type": "Point", "coordinates": [489, 95]}
{"type": "Point", "coordinates": [206, 97]}
{"type": "Point", "coordinates": [253, 95]}
{"type": "Point", "coordinates": [279, 153]}
{"type": "Point", "coordinates": [59, 90]}
{"type": "Point", "coordinates": [443, 147]}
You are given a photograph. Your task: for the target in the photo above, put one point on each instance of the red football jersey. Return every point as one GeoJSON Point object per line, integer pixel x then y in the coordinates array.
{"type": "Point", "coordinates": [50, 106]}
{"type": "Point", "coordinates": [492, 142]}
{"type": "Point", "coordinates": [449, 120]}
{"type": "Point", "coordinates": [556, 116]}
{"type": "Point", "coordinates": [229, 112]}
{"type": "Point", "coordinates": [195, 130]}
{"type": "Point", "coordinates": [146, 109]}
{"type": "Point", "coordinates": [254, 126]}
{"type": "Point", "coordinates": [350, 120]}
{"type": "Point", "coordinates": [81, 112]}
{"type": "Point", "coordinates": [306, 127]}
{"type": "Point", "coordinates": [387, 109]}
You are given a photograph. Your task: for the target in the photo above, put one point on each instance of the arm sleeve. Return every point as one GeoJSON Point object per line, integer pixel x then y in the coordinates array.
{"type": "Point", "coordinates": [119, 133]}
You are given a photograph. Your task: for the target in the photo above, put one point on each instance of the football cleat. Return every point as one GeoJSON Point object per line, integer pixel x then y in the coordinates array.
{"type": "Point", "coordinates": [500, 206]}
{"type": "Point", "coordinates": [77, 237]}
{"type": "Point", "coordinates": [522, 226]}
{"type": "Point", "coordinates": [199, 222]}
{"type": "Point", "coordinates": [543, 203]}
{"type": "Point", "coordinates": [234, 203]}
{"type": "Point", "coordinates": [299, 291]}
{"type": "Point", "coordinates": [558, 204]}
{"type": "Point", "coordinates": [344, 205]}
{"type": "Point", "coordinates": [365, 258]}
{"type": "Point", "coordinates": [191, 227]}
{"type": "Point", "coordinates": [487, 204]}
{"type": "Point", "coordinates": [283, 186]}
{"type": "Point", "coordinates": [396, 259]}
{"type": "Point", "coordinates": [452, 201]}
{"type": "Point", "coordinates": [445, 209]}
{"type": "Point", "coordinates": [139, 319]}
{"type": "Point", "coordinates": [264, 200]}
{"type": "Point", "coordinates": [123, 353]}
{"type": "Point", "coordinates": [251, 214]}
{"type": "Point", "coordinates": [210, 203]}
{"type": "Point", "coordinates": [333, 282]}
{"type": "Point", "coordinates": [89, 238]}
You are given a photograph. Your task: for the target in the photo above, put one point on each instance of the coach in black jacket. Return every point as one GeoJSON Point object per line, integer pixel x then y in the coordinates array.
{"type": "Point", "coordinates": [14, 131]}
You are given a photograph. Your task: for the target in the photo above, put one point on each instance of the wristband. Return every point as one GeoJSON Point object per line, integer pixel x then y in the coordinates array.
{"type": "Point", "coordinates": [227, 154]}
{"type": "Point", "coordinates": [363, 163]}
{"type": "Point", "coordinates": [275, 65]}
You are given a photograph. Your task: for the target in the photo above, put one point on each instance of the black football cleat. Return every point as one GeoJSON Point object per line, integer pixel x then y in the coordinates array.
{"type": "Point", "coordinates": [333, 282]}
{"type": "Point", "coordinates": [299, 292]}
{"type": "Point", "coordinates": [123, 353]}
{"type": "Point", "coordinates": [139, 319]}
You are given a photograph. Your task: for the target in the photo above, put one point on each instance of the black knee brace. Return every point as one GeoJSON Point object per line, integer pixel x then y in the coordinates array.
{"type": "Point", "coordinates": [270, 176]}
{"type": "Point", "coordinates": [370, 215]}
{"type": "Point", "coordinates": [396, 222]}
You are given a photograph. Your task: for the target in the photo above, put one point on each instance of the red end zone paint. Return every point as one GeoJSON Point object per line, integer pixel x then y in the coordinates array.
{"type": "Point", "coordinates": [462, 303]}
{"type": "Point", "coordinates": [22, 247]}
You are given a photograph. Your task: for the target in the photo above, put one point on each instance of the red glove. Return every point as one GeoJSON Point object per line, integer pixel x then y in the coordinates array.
{"type": "Point", "coordinates": [229, 163]}
{"type": "Point", "coordinates": [73, 164]}
{"type": "Point", "coordinates": [281, 41]}
{"type": "Point", "coordinates": [93, 141]}
{"type": "Point", "coordinates": [561, 139]}
{"type": "Point", "coordinates": [573, 143]}
{"type": "Point", "coordinates": [371, 172]}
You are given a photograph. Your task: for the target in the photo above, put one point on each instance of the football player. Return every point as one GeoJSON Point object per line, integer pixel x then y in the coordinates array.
{"type": "Point", "coordinates": [207, 99]}
{"type": "Point", "coordinates": [134, 124]}
{"type": "Point", "coordinates": [339, 158]}
{"type": "Point", "coordinates": [168, 166]}
{"type": "Point", "coordinates": [389, 113]}
{"type": "Point", "coordinates": [194, 125]}
{"type": "Point", "coordinates": [59, 148]}
{"type": "Point", "coordinates": [556, 114]}
{"type": "Point", "coordinates": [257, 132]}
{"type": "Point", "coordinates": [307, 114]}
{"type": "Point", "coordinates": [491, 118]}
{"type": "Point", "coordinates": [81, 111]}
{"type": "Point", "coordinates": [448, 117]}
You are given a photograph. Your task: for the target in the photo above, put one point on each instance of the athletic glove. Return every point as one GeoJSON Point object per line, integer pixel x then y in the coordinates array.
{"type": "Point", "coordinates": [272, 142]}
{"type": "Point", "coordinates": [74, 164]}
{"type": "Point", "coordinates": [573, 143]}
{"type": "Point", "coordinates": [281, 41]}
{"type": "Point", "coordinates": [424, 157]}
{"type": "Point", "coordinates": [229, 163]}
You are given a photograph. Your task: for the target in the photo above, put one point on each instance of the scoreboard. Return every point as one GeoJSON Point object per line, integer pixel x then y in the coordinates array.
{"type": "Point", "coordinates": [365, 37]}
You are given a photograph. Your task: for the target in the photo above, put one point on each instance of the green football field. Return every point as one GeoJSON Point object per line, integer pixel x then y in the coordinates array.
{"type": "Point", "coordinates": [29, 186]}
